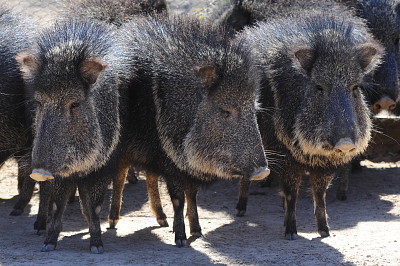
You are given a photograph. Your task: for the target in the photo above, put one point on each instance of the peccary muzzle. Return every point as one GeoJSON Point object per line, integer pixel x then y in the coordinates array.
{"type": "Point", "coordinates": [260, 173]}
{"type": "Point", "coordinates": [41, 175]}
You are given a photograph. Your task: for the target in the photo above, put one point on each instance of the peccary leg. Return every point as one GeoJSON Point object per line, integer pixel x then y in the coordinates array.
{"type": "Point", "coordinates": [241, 206]}
{"type": "Point", "coordinates": [155, 201]}
{"type": "Point", "coordinates": [343, 173]}
{"type": "Point", "coordinates": [92, 194]}
{"type": "Point", "coordinates": [61, 191]}
{"type": "Point", "coordinates": [191, 190]}
{"type": "Point", "coordinates": [290, 191]}
{"type": "Point", "coordinates": [319, 184]}
{"type": "Point", "coordinates": [118, 188]}
{"type": "Point", "coordinates": [44, 206]}
{"type": "Point", "coordinates": [26, 186]}
{"type": "Point", "coordinates": [131, 177]}
{"type": "Point", "coordinates": [177, 195]}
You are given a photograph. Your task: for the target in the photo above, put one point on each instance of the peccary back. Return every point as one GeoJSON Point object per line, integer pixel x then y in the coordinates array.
{"type": "Point", "coordinates": [115, 12]}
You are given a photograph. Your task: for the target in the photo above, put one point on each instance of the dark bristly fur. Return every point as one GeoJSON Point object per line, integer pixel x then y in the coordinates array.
{"type": "Point", "coordinates": [71, 75]}
{"type": "Point", "coordinates": [116, 12]}
{"type": "Point", "coordinates": [186, 126]}
{"type": "Point", "coordinates": [313, 62]}
{"type": "Point", "coordinates": [383, 19]}
{"type": "Point", "coordinates": [15, 136]}
{"type": "Point", "coordinates": [175, 119]}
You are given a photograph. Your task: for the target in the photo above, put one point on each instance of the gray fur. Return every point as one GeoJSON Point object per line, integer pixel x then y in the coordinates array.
{"type": "Point", "coordinates": [313, 63]}
{"type": "Point", "coordinates": [116, 12]}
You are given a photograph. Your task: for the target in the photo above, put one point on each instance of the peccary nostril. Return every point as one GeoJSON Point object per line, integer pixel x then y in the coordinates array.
{"type": "Point", "coordinates": [384, 103]}
{"type": "Point", "coordinates": [41, 175]}
{"type": "Point", "coordinates": [260, 173]}
{"type": "Point", "coordinates": [345, 145]}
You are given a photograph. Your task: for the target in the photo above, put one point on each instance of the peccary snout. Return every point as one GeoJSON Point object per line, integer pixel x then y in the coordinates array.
{"type": "Point", "coordinates": [345, 145]}
{"type": "Point", "coordinates": [384, 103]}
{"type": "Point", "coordinates": [260, 173]}
{"type": "Point", "coordinates": [41, 175]}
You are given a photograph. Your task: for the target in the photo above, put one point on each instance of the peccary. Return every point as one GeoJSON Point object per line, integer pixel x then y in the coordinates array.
{"type": "Point", "coordinates": [82, 133]}
{"type": "Point", "coordinates": [314, 63]}
{"type": "Point", "coordinates": [71, 74]}
{"type": "Point", "coordinates": [15, 137]}
{"type": "Point", "coordinates": [194, 113]}
{"type": "Point", "coordinates": [383, 19]}
{"type": "Point", "coordinates": [116, 12]}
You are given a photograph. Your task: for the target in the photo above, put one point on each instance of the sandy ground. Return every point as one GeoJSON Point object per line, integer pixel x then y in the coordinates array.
{"type": "Point", "coordinates": [364, 229]}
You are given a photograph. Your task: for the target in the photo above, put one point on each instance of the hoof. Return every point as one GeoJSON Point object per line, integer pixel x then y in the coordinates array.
{"type": "Point", "coordinates": [48, 247]}
{"type": "Point", "coordinates": [112, 223]}
{"type": "Point", "coordinates": [180, 243]}
{"type": "Point", "coordinates": [323, 233]}
{"type": "Point", "coordinates": [240, 213]}
{"type": "Point", "coordinates": [97, 250]}
{"type": "Point", "coordinates": [291, 236]}
{"type": "Point", "coordinates": [16, 212]}
{"type": "Point", "coordinates": [162, 222]}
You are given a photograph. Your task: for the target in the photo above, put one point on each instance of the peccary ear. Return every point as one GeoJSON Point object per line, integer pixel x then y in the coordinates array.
{"type": "Point", "coordinates": [303, 57]}
{"type": "Point", "coordinates": [207, 74]}
{"type": "Point", "coordinates": [369, 55]}
{"type": "Point", "coordinates": [91, 69]}
{"type": "Point", "coordinates": [28, 63]}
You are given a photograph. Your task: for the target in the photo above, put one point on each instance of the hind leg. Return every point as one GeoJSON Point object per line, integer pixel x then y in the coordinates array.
{"type": "Point", "coordinates": [344, 174]}
{"type": "Point", "coordinates": [241, 205]}
{"type": "Point", "coordinates": [154, 197]}
{"type": "Point", "coordinates": [118, 188]}
{"type": "Point", "coordinates": [319, 185]}
{"type": "Point", "coordinates": [191, 190]}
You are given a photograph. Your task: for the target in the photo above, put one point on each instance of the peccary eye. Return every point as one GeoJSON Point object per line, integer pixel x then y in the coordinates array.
{"type": "Point", "coordinates": [225, 113]}
{"type": "Point", "coordinates": [396, 42]}
{"type": "Point", "coordinates": [74, 105]}
{"type": "Point", "coordinates": [319, 88]}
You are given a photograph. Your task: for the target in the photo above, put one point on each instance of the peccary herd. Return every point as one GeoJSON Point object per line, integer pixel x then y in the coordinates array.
{"type": "Point", "coordinates": [119, 85]}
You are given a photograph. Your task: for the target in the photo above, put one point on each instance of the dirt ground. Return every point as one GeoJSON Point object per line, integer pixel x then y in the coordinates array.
{"type": "Point", "coordinates": [364, 229]}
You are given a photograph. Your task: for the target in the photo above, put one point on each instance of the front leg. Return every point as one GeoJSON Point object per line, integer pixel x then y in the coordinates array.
{"type": "Point", "coordinates": [290, 184]}
{"type": "Point", "coordinates": [319, 185]}
{"type": "Point", "coordinates": [60, 190]}
{"type": "Point", "coordinates": [91, 192]}
{"type": "Point", "coordinates": [175, 189]}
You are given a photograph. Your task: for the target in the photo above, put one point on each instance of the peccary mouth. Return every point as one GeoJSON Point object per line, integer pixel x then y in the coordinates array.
{"type": "Point", "coordinates": [41, 175]}
{"type": "Point", "coordinates": [260, 173]}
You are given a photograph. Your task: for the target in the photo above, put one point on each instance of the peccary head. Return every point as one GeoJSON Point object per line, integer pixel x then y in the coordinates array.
{"type": "Point", "coordinates": [205, 95]}
{"type": "Point", "coordinates": [383, 19]}
{"type": "Point", "coordinates": [315, 64]}
{"type": "Point", "coordinates": [69, 76]}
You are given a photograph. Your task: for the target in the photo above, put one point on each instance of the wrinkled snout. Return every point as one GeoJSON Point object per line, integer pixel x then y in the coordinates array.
{"type": "Point", "coordinates": [260, 173]}
{"type": "Point", "coordinates": [345, 145]}
{"type": "Point", "coordinates": [41, 175]}
{"type": "Point", "coordinates": [383, 104]}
